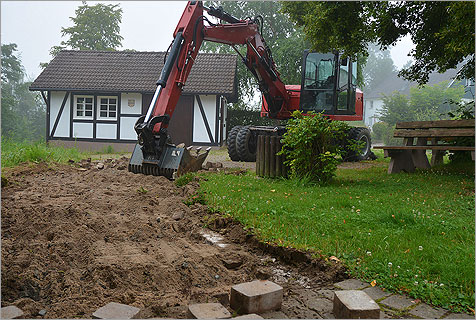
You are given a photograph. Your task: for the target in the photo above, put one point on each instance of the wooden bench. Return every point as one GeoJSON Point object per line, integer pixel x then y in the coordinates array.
{"type": "Point", "coordinates": [439, 133]}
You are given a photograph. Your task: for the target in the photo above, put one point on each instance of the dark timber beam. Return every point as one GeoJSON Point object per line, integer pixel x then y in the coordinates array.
{"type": "Point", "coordinates": [59, 114]}
{"type": "Point", "coordinates": [204, 117]}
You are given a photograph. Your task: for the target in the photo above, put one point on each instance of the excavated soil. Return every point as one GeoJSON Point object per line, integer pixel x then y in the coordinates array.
{"type": "Point", "coordinates": [76, 237]}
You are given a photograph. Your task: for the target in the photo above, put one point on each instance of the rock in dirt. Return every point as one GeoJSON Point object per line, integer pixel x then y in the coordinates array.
{"type": "Point", "coordinates": [263, 274]}
{"type": "Point", "coordinates": [232, 262]}
{"type": "Point", "coordinates": [121, 167]}
{"type": "Point", "coordinates": [100, 165]}
{"type": "Point", "coordinates": [177, 215]}
{"type": "Point", "coordinates": [42, 312]}
{"type": "Point", "coordinates": [11, 312]}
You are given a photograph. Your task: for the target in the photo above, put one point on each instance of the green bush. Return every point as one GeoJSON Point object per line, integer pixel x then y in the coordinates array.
{"type": "Point", "coordinates": [388, 138]}
{"type": "Point", "coordinates": [378, 130]}
{"type": "Point", "coordinates": [310, 147]}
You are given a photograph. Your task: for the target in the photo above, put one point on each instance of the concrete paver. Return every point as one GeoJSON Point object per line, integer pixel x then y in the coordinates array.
{"type": "Point", "coordinates": [207, 311]}
{"type": "Point", "coordinates": [351, 284]}
{"type": "Point", "coordinates": [114, 310]}
{"type": "Point", "coordinates": [459, 316]}
{"type": "Point", "coordinates": [426, 312]}
{"type": "Point", "coordinates": [256, 296]}
{"type": "Point", "coordinates": [376, 293]}
{"type": "Point", "coordinates": [249, 316]}
{"type": "Point", "coordinates": [355, 304]}
{"type": "Point", "coordinates": [397, 302]}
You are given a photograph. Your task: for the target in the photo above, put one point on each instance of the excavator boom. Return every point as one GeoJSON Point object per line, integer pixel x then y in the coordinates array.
{"type": "Point", "coordinates": [154, 154]}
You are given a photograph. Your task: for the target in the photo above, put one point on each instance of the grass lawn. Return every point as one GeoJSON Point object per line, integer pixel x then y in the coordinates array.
{"type": "Point", "coordinates": [410, 233]}
{"type": "Point", "coordinates": [14, 153]}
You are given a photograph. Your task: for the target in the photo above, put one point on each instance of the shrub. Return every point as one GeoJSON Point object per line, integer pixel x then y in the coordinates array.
{"type": "Point", "coordinates": [378, 130]}
{"type": "Point", "coordinates": [310, 147]}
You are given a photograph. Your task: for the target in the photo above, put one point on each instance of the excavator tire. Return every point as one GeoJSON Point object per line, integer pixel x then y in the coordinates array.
{"type": "Point", "coordinates": [231, 143]}
{"type": "Point", "coordinates": [246, 145]}
{"type": "Point", "coordinates": [361, 135]}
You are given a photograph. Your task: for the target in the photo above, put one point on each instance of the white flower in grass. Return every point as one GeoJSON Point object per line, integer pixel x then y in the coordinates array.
{"type": "Point", "coordinates": [369, 253]}
{"type": "Point", "coordinates": [390, 264]}
{"type": "Point", "coordinates": [420, 248]}
{"type": "Point", "coordinates": [441, 284]}
{"type": "Point", "coordinates": [415, 283]}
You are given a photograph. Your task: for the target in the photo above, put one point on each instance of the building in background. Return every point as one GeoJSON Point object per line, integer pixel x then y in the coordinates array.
{"type": "Point", "coordinates": [94, 98]}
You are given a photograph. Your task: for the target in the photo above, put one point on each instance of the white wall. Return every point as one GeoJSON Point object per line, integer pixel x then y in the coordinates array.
{"type": "Point", "coordinates": [127, 123]}
{"type": "Point", "coordinates": [199, 130]}
{"type": "Point", "coordinates": [82, 130]}
{"type": "Point", "coordinates": [135, 98]}
{"type": "Point", "coordinates": [106, 131]}
{"type": "Point", "coordinates": [372, 109]}
{"type": "Point", "coordinates": [127, 128]}
{"type": "Point", "coordinates": [62, 130]}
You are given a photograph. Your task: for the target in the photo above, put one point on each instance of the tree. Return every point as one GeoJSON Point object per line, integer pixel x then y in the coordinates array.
{"type": "Point", "coordinates": [12, 70]}
{"type": "Point", "coordinates": [284, 39]}
{"type": "Point", "coordinates": [425, 103]}
{"type": "Point", "coordinates": [94, 28]}
{"type": "Point", "coordinates": [379, 67]}
{"type": "Point", "coordinates": [23, 113]}
{"type": "Point", "coordinates": [442, 31]}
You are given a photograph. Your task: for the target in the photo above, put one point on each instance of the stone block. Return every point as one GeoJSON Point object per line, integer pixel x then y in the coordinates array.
{"type": "Point", "coordinates": [115, 310]}
{"type": "Point", "coordinates": [10, 312]}
{"type": "Point", "coordinates": [320, 305]}
{"type": "Point", "coordinates": [355, 304]}
{"type": "Point", "coordinates": [459, 316]}
{"type": "Point", "coordinates": [351, 284]}
{"type": "Point", "coordinates": [397, 302]}
{"type": "Point", "coordinates": [256, 297]}
{"type": "Point", "coordinates": [426, 312]}
{"type": "Point", "coordinates": [376, 293]}
{"type": "Point", "coordinates": [207, 311]}
{"type": "Point", "coordinates": [249, 316]}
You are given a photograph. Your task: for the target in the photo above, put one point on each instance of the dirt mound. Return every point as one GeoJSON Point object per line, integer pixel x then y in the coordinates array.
{"type": "Point", "coordinates": [75, 237]}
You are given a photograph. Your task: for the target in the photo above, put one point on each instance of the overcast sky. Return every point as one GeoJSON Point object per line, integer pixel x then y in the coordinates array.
{"type": "Point", "coordinates": [35, 26]}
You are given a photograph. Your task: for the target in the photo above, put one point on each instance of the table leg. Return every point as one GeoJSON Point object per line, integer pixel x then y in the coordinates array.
{"type": "Point", "coordinates": [401, 160]}
{"type": "Point", "coordinates": [420, 160]}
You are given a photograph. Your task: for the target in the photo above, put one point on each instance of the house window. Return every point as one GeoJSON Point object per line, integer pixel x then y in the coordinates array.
{"type": "Point", "coordinates": [83, 107]}
{"type": "Point", "coordinates": [107, 108]}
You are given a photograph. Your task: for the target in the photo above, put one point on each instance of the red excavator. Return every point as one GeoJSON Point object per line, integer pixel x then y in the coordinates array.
{"type": "Point", "coordinates": [328, 86]}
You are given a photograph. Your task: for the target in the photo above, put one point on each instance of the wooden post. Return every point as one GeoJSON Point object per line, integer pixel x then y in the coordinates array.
{"type": "Point", "coordinates": [267, 155]}
{"type": "Point", "coordinates": [279, 163]}
{"type": "Point", "coordinates": [268, 163]}
{"type": "Point", "coordinates": [258, 156]}
{"type": "Point", "coordinates": [272, 157]}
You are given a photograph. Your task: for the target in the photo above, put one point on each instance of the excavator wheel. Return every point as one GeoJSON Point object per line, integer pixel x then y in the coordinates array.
{"type": "Point", "coordinates": [246, 145]}
{"type": "Point", "coordinates": [231, 143]}
{"type": "Point", "coordinates": [360, 135]}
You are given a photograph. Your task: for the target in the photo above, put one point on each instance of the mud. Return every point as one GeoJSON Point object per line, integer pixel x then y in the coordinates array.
{"type": "Point", "coordinates": [75, 237]}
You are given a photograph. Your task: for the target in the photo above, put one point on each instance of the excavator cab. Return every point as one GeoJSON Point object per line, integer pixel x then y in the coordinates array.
{"type": "Point", "coordinates": [328, 84]}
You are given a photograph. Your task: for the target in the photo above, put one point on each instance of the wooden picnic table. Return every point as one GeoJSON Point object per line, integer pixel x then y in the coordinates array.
{"type": "Point", "coordinates": [419, 136]}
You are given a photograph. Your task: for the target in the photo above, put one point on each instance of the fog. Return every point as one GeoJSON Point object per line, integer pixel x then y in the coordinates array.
{"type": "Point", "coordinates": [35, 26]}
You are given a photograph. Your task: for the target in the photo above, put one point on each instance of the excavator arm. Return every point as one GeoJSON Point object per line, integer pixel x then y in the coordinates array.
{"type": "Point", "coordinates": [154, 154]}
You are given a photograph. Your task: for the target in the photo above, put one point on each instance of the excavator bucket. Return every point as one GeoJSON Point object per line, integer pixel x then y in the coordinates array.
{"type": "Point", "coordinates": [173, 162]}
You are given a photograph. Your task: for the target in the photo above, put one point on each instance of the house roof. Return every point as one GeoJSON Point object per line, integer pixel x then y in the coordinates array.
{"type": "Point", "coordinates": [131, 71]}
{"type": "Point", "coordinates": [395, 83]}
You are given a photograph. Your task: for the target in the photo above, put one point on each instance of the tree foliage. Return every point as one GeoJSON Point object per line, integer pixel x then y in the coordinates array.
{"type": "Point", "coordinates": [23, 113]}
{"type": "Point", "coordinates": [379, 67]}
{"type": "Point", "coordinates": [442, 31]}
{"type": "Point", "coordinates": [425, 103]}
{"type": "Point", "coordinates": [284, 39]}
{"type": "Point", "coordinates": [94, 28]}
